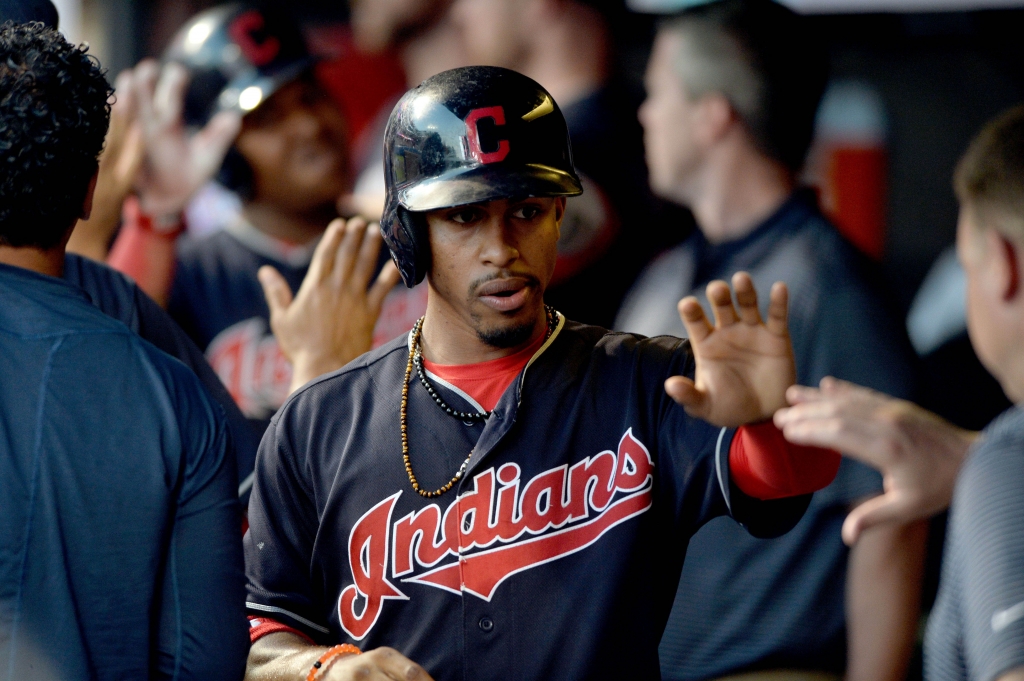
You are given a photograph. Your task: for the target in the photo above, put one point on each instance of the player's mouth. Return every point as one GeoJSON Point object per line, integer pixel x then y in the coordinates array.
{"type": "Point", "coordinates": [506, 294]}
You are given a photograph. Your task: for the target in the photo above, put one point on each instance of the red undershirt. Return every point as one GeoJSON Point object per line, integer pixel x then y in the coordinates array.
{"type": "Point", "coordinates": [762, 463]}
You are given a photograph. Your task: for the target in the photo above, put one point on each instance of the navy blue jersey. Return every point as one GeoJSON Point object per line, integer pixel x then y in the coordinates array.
{"type": "Point", "coordinates": [557, 554]}
{"type": "Point", "coordinates": [118, 297]}
{"type": "Point", "coordinates": [120, 555]}
{"type": "Point", "coordinates": [746, 604]}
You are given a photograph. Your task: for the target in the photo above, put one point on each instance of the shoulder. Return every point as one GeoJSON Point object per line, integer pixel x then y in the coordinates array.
{"type": "Point", "coordinates": [657, 356]}
{"type": "Point", "coordinates": [995, 466]}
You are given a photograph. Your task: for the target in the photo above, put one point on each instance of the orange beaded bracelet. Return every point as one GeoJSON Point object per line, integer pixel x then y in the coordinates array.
{"type": "Point", "coordinates": [329, 656]}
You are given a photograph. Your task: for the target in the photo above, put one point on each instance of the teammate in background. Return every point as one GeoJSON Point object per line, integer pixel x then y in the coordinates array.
{"type": "Point", "coordinates": [610, 231]}
{"type": "Point", "coordinates": [288, 160]}
{"type": "Point", "coordinates": [121, 556]}
{"type": "Point", "coordinates": [503, 493]}
{"type": "Point", "coordinates": [732, 90]}
{"type": "Point", "coordinates": [976, 630]}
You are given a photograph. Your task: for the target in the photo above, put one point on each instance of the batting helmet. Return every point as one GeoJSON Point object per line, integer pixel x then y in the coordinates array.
{"type": "Point", "coordinates": [237, 57]}
{"type": "Point", "coordinates": [464, 136]}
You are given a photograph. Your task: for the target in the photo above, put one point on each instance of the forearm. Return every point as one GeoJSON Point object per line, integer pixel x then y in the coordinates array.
{"type": "Point", "coordinates": [883, 594]}
{"type": "Point", "coordinates": [281, 656]}
{"type": "Point", "coordinates": [144, 254]}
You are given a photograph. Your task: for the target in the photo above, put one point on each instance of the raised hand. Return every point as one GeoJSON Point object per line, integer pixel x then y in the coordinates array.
{"type": "Point", "coordinates": [330, 320]}
{"type": "Point", "coordinates": [123, 152]}
{"type": "Point", "coordinates": [918, 453]}
{"type": "Point", "coordinates": [744, 364]}
{"type": "Point", "coordinates": [177, 162]}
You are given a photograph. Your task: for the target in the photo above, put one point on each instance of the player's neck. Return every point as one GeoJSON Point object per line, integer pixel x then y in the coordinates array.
{"type": "Point", "coordinates": [49, 262]}
{"type": "Point", "coordinates": [296, 228]}
{"type": "Point", "coordinates": [448, 338]}
{"type": "Point", "coordinates": [739, 189]}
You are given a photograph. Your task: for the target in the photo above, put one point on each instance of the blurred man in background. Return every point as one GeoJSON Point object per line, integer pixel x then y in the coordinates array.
{"type": "Point", "coordinates": [120, 555]}
{"type": "Point", "coordinates": [247, 81]}
{"type": "Point", "coordinates": [566, 45]}
{"type": "Point", "coordinates": [733, 88]}
{"type": "Point", "coordinates": [977, 628]}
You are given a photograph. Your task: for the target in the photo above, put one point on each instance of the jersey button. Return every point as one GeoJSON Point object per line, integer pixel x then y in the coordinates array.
{"type": "Point", "coordinates": [486, 624]}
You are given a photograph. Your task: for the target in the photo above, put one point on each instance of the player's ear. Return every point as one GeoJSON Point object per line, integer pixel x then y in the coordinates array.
{"type": "Point", "coordinates": [89, 193]}
{"type": "Point", "coordinates": [1009, 255]}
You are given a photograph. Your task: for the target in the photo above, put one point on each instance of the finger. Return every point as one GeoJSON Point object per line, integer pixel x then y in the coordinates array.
{"type": "Point", "coordinates": [799, 394]}
{"type": "Point", "coordinates": [211, 143]}
{"type": "Point", "coordinates": [144, 81]}
{"type": "Point", "coordinates": [387, 279]}
{"type": "Point", "coordinates": [746, 298]}
{"type": "Point", "coordinates": [345, 257]}
{"type": "Point", "coordinates": [834, 387]}
{"type": "Point", "coordinates": [396, 665]}
{"type": "Point", "coordinates": [169, 97]}
{"type": "Point", "coordinates": [323, 255]}
{"type": "Point", "coordinates": [885, 508]}
{"type": "Point", "coordinates": [720, 298]}
{"type": "Point", "coordinates": [778, 309]}
{"type": "Point", "coordinates": [685, 392]}
{"type": "Point", "coordinates": [849, 437]}
{"type": "Point", "coordinates": [697, 326]}
{"type": "Point", "coordinates": [275, 290]}
{"type": "Point", "coordinates": [369, 253]}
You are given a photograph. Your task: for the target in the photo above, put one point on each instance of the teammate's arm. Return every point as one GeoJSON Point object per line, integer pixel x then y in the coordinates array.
{"type": "Point", "coordinates": [883, 594]}
{"type": "Point", "coordinates": [286, 657]}
{"type": "Point", "coordinates": [918, 453]}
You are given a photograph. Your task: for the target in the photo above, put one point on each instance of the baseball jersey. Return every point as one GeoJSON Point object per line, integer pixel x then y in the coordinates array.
{"type": "Point", "coordinates": [556, 555]}
{"type": "Point", "coordinates": [743, 603]}
{"type": "Point", "coordinates": [120, 555]}
{"type": "Point", "coordinates": [118, 297]}
{"type": "Point", "coordinates": [976, 630]}
{"type": "Point", "coordinates": [218, 300]}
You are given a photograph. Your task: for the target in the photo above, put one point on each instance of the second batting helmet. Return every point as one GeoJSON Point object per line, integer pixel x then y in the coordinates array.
{"type": "Point", "coordinates": [464, 136]}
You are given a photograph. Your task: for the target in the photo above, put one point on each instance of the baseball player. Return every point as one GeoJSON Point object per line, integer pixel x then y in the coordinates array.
{"type": "Point", "coordinates": [503, 493]}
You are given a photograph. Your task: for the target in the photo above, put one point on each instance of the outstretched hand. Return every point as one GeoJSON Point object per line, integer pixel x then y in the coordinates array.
{"type": "Point", "coordinates": [178, 162]}
{"type": "Point", "coordinates": [918, 453]}
{"type": "Point", "coordinates": [330, 321]}
{"type": "Point", "coordinates": [744, 364]}
{"type": "Point", "coordinates": [123, 152]}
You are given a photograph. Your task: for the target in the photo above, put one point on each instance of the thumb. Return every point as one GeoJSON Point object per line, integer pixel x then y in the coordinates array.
{"type": "Point", "coordinates": [212, 142]}
{"type": "Point", "coordinates": [885, 508]}
{"type": "Point", "coordinates": [275, 290]}
{"type": "Point", "coordinates": [685, 392]}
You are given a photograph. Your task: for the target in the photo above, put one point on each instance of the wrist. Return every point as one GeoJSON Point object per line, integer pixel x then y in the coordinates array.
{"type": "Point", "coordinates": [163, 212]}
{"type": "Point", "coordinates": [330, 656]}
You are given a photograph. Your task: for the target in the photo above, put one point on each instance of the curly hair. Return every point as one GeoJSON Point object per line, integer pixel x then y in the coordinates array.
{"type": "Point", "coordinates": [54, 113]}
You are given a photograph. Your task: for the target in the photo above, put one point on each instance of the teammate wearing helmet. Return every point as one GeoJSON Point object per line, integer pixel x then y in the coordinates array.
{"type": "Point", "coordinates": [288, 162]}
{"type": "Point", "coordinates": [503, 493]}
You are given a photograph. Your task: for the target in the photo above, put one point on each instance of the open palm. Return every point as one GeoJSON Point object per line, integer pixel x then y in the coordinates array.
{"type": "Point", "coordinates": [744, 364]}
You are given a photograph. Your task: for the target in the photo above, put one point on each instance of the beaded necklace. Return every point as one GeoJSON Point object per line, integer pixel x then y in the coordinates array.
{"type": "Point", "coordinates": [416, 360]}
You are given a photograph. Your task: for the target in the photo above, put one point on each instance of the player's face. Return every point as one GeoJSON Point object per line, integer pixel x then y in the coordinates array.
{"type": "Point", "coordinates": [376, 24]}
{"type": "Point", "coordinates": [492, 30]}
{"type": "Point", "coordinates": [991, 322]}
{"type": "Point", "coordinates": [667, 117]}
{"type": "Point", "coordinates": [295, 143]}
{"type": "Point", "coordinates": [491, 263]}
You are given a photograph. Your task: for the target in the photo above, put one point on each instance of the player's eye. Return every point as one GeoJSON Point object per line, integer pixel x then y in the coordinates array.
{"type": "Point", "coordinates": [464, 216]}
{"type": "Point", "coordinates": [527, 212]}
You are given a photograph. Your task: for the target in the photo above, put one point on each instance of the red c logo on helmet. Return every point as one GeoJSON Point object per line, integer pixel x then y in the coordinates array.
{"type": "Point", "coordinates": [257, 51]}
{"type": "Point", "coordinates": [496, 114]}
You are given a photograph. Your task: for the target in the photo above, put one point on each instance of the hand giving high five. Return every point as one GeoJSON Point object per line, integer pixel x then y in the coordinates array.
{"type": "Point", "coordinates": [744, 364]}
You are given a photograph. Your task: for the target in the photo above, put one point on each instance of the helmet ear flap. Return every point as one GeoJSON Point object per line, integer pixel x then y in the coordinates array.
{"type": "Point", "coordinates": [415, 226]}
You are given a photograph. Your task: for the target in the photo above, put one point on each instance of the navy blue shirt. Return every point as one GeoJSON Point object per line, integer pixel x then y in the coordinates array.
{"type": "Point", "coordinates": [120, 555]}
{"type": "Point", "coordinates": [744, 603]}
{"type": "Point", "coordinates": [976, 631]}
{"type": "Point", "coordinates": [555, 556]}
{"type": "Point", "coordinates": [119, 297]}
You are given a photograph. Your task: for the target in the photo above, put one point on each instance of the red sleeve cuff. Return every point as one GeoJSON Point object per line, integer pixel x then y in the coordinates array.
{"type": "Point", "coordinates": [764, 465]}
{"type": "Point", "coordinates": [261, 626]}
